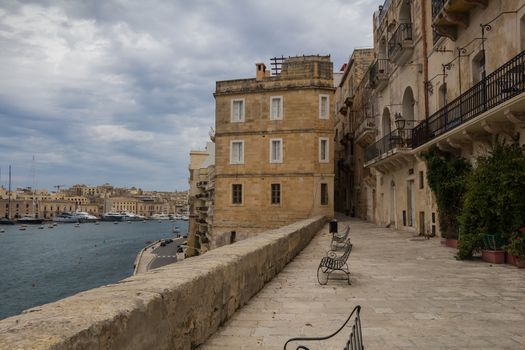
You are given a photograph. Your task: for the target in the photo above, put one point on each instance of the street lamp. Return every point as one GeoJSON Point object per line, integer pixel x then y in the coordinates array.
{"type": "Point", "coordinates": [399, 121]}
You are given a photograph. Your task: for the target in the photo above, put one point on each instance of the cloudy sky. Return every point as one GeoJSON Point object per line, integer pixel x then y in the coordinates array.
{"type": "Point", "coordinates": [119, 91]}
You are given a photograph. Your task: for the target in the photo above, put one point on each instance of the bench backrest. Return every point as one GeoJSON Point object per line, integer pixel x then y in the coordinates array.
{"type": "Point", "coordinates": [348, 250]}
{"type": "Point", "coordinates": [355, 340]}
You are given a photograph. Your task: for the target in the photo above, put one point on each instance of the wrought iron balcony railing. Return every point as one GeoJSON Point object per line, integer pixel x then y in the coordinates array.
{"type": "Point", "coordinates": [401, 34]}
{"type": "Point", "coordinates": [437, 6]}
{"type": "Point", "coordinates": [501, 85]}
{"type": "Point", "coordinates": [379, 70]}
{"type": "Point", "coordinates": [399, 138]}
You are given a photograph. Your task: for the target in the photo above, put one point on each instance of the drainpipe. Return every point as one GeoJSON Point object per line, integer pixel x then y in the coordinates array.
{"type": "Point", "coordinates": [425, 53]}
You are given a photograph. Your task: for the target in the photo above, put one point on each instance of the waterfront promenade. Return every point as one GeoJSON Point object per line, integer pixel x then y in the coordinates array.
{"type": "Point", "coordinates": [414, 295]}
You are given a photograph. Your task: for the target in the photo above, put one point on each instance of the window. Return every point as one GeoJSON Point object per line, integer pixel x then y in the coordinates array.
{"type": "Point", "coordinates": [237, 111]}
{"type": "Point", "coordinates": [236, 194]}
{"type": "Point", "coordinates": [276, 193]}
{"type": "Point", "coordinates": [276, 108]}
{"type": "Point", "coordinates": [324, 102]}
{"type": "Point", "coordinates": [421, 180]}
{"type": "Point", "coordinates": [276, 150]}
{"type": "Point", "coordinates": [237, 152]}
{"type": "Point", "coordinates": [324, 194]}
{"type": "Point", "coordinates": [323, 150]}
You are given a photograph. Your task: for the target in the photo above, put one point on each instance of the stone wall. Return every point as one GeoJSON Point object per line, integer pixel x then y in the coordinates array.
{"type": "Point", "coordinates": [173, 307]}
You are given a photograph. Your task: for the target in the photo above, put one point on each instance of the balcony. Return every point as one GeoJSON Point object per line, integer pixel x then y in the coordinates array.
{"type": "Point", "coordinates": [449, 15]}
{"type": "Point", "coordinates": [366, 132]}
{"type": "Point", "coordinates": [395, 147]}
{"type": "Point", "coordinates": [401, 45]}
{"type": "Point", "coordinates": [379, 73]}
{"type": "Point", "coordinates": [202, 184]}
{"type": "Point", "coordinates": [500, 86]}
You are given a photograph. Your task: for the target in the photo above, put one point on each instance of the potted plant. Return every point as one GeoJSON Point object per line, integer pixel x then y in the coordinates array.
{"type": "Point", "coordinates": [516, 247]}
{"type": "Point", "coordinates": [492, 249]}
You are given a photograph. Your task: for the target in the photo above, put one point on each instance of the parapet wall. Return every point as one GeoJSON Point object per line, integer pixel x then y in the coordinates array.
{"type": "Point", "coordinates": [174, 307]}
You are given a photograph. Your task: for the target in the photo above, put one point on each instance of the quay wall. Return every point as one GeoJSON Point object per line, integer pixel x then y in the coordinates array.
{"type": "Point", "coordinates": [174, 307]}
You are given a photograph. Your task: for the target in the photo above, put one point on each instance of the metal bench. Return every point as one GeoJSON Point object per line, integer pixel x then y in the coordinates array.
{"type": "Point", "coordinates": [339, 240]}
{"type": "Point", "coordinates": [354, 342]}
{"type": "Point", "coordinates": [330, 264]}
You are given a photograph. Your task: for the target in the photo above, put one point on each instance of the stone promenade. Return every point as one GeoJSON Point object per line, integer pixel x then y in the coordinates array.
{"type": "Point", "coordinates": [414, 295]}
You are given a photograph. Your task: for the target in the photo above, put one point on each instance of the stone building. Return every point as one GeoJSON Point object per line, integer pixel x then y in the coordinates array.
{"type": "Point", "coordinates": [350, 115]}
{"type": "Point", "coordinates": [450, 74]}
{"type": "Point", "coordinates": [200, 199]}
{"type": "Point", "coordinates": [274, 148]}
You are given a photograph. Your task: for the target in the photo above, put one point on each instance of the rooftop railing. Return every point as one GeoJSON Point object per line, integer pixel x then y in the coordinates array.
{"type": "Point", "coordinates": [501, 85]}
{"type": "Point", "coordinates": [399, 138]}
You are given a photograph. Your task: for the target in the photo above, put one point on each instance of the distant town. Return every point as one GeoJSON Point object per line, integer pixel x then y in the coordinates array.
{"type": "Point", "coordinates": [95, 200]}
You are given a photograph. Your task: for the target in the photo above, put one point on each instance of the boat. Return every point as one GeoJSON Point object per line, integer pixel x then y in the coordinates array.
{"type": "Point", "coordinates": [112, 216]}
{"type": "Point", "coordinates": [83, 216]}
{"type": "Point", "coordinates": [65, 218]}
{"type": "Point", "coordinates": [177, 217]}
{"type": "Point", "coordinates": [176, 230]}
{"type": "Point", "coordinates": [6, 221]}
{"type": "Point", "coordinates": [41, 227]}
{"type": "Point", "coordinates": [30, 220]}
{"type": "Point", "coordinates": [132, 217]}
{"type": "Point", "coordinates": [162, 216]}
{"type": "Point", "coordinates": [2, 230]}
{"type": "Point", "coordinates": [185, 218]}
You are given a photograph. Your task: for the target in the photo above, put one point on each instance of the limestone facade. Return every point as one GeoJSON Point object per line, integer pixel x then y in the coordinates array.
{"type": "Point", "coordinates": [274, 148]}
{"type": "Point", "coordinates": [351, 111]}
{"type": "Point", "coordinates": [201, 194]}
{"type": "Point", "coordinates": [434, 74]}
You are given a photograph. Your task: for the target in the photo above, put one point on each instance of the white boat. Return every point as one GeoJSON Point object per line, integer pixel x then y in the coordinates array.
{"type": "Point", "coordinates": [132, 217]}
{"type": "Point", "coordinates": [177, 217]}
{"type": "Point", "coordinates": [65, 218]}
{"type": "Point", "coordinates": [83, 216]}
{"type": "Point", "coordinates": [161, 217]}
{"type": "Point", "coordinates": [185, 218]}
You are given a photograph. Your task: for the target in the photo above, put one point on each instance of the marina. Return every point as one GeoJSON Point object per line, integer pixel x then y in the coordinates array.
{"type": "Point", "coordinates": [43, 265]}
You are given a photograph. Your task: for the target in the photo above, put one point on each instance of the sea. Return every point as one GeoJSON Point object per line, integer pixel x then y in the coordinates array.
{"type": "Point", "coordinates": [39, 266]}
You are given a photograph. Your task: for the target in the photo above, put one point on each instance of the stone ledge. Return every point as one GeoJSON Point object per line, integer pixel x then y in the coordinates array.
{"type": "Point", "coordinates": [174, 307]}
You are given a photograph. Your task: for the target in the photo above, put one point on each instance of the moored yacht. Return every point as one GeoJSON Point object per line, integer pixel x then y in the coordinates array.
{"type": "Point", "coordinates": [65, 218]}
{"type": "Point", "coordinates": [132, 217]}
{"type": "Point", "coordinates": [113, 216]}
{"type": "Point", "coordinates": [30, 220]}
{"type": "Point", "coordinates": [162, 216]}
{"type": "Point", "coordinates": [83, 216]}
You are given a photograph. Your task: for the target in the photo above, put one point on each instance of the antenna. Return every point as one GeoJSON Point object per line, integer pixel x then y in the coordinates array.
{"type": "Point", "coordinates": [58, 187]}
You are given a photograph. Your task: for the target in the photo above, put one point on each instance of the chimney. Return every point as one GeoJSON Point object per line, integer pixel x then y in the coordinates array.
{"type": "Point", "coordinates": [260, 72]}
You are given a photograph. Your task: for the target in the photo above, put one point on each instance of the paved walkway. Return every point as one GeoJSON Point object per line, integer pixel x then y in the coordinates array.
{"type": "Point", "coordinates": [414, 295]}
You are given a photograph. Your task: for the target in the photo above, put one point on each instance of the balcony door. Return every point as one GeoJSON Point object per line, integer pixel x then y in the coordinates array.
{"type": "Point", "coordinates": [393, 204]}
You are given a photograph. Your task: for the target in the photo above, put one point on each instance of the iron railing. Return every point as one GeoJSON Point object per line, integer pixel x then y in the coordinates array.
{"type": "Point", "coordinates": [402, 33]}
{"type": "Point", "coordinates": [367, 123]}
{"type": "Point", "coordinates": [499, 86]}
{"type": "Point", "coordinates": [437, 6]}
{"type": "Point", "coordinates": [379, 70]}
{"type": "Point", "coordinates": [399, 138]}
{"type": "Point", "coordinates": [353, 342]}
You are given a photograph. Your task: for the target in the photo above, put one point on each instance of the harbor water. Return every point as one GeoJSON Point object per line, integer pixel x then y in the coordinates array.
{"type": "Point", "coordinates": [39, 266]}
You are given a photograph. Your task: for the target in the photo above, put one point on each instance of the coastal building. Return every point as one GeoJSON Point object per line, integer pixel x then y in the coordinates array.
{"type": "Point", "coordinates": [274, 148]}
{"type": "Point", "coordinates": [353, 120]}
{"type": "Point", "coordinates": [201, 193]}
{"type": "Point", "coordinates": [452, 77]}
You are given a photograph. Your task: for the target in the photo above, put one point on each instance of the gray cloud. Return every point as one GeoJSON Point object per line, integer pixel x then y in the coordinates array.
{"type": "Point", "coordinates": [110, 91]}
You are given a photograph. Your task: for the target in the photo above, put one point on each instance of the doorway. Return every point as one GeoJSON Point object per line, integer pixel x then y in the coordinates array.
{"type": "Point", "coordinates": [411, 199]}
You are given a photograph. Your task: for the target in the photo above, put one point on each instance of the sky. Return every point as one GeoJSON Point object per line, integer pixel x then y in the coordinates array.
{"type": "Point", "coordinates": [120, 91]}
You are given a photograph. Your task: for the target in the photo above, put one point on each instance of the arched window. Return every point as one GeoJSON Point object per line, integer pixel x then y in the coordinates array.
{"type": "Point", "coordinates": [408, 106]}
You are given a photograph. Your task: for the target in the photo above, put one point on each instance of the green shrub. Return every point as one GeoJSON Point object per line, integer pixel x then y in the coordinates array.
{"type": "Point", "coordinates": [495, 198]}
{"type": "Point", "coordinates": [446, 176]}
